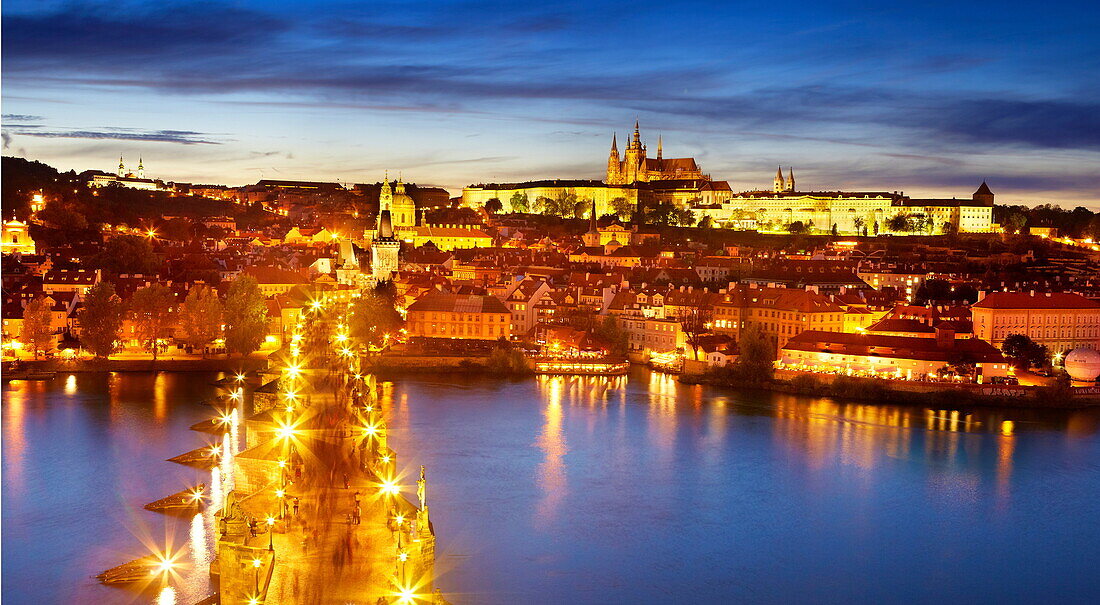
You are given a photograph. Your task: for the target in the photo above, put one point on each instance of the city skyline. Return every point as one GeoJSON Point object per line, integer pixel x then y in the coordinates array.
{"type": "Point", "coordinates": [930, 101]}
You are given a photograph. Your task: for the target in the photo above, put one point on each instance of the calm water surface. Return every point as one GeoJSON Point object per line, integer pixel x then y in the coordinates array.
{"type": "Point", "coordinates": [637, 490]}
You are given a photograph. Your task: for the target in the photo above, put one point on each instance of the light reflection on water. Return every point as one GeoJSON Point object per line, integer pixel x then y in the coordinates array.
{"type": "Point", "coordinates": [638, 489]}
{"type": "Point", "coordinates": [628, 489]}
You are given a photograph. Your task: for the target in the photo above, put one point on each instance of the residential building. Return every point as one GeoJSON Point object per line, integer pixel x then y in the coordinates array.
{"type": "Point", "coordinates": [463, 316]}
{"type": "Point", "coordinates": [1061, 321]}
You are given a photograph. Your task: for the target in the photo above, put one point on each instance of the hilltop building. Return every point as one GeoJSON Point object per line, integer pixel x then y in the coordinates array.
{"type": "Point", "coordinates": [134, 179]}
{"type": "Point", "coordinates": [635, 166]}
{"type": "Point", "coordinates": [852, 212]}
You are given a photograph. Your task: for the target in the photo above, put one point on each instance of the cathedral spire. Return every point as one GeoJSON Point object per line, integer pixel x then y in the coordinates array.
{"type": "Point", "coordinates": [780, 186]}
{"type": "Point", "coordinates": [659, 147]}
{"type": "Point", "coordinates": [637, 142]}
{"type": "Point", "coordinates": [614, 143]}
{"type": "Point", "coordinates": [790, 180]}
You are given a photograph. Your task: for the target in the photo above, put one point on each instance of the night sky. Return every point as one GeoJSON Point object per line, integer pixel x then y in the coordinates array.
{"type": "Point", "coordinates": [901, 96]}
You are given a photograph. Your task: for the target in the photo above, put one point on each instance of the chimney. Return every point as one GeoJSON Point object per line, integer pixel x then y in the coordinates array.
{"type": "Point", "coordinates": [945, 336]}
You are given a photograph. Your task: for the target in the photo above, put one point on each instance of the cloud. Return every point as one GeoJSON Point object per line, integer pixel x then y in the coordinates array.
{"type": "Point", "coordinates": [182, 137]}
{"type": "Point", "coordinates": [20, 117]}
{"type": "Point", "coordinates": [6, 138]}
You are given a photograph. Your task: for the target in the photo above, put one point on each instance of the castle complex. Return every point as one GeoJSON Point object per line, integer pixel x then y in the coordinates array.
{"type": "Point", "coordinates": [636, 167]}
{"type": "Point", "coordinates": [640, 180]}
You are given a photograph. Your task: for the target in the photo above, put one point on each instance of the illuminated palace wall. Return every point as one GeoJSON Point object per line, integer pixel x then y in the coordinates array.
{"type": "Point", "coordinates": [475, 196]}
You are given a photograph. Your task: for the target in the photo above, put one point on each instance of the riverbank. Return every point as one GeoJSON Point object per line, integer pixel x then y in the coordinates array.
{"type": "Point", "coordinates": [235, 364]}
{"type": "Point", "coordinates": [905, 392]}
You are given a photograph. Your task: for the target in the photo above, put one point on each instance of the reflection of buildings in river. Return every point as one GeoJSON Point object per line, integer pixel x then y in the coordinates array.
{"type": "Point", "coordinates": [851, 434]}
{"type": "Point", "coordinates": [551, 476]}
{"type": "Point", "coordinates": [15, 440]}
{"type": "Point", "coordinates": [70, 385]}
{"type": "Point", "coordinates": [662, 412]}
{"type": "Point", "coordinates": [160, 397]}
{"type": "Point", "coordinates": [1006, 448]}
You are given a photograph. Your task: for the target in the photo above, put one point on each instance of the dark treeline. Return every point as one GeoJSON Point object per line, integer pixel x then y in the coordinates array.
{"type": "Point", "coordinates": [1078, 222]}
{"type": "Point", "coordinates": [73, 206]}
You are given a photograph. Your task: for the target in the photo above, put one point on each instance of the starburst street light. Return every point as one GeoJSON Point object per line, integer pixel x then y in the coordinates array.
{"type": "Point", "coordinates": [390, 487]}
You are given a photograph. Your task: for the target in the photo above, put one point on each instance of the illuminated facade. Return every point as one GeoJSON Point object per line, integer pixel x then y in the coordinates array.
{"type": "Point", "coordinates": [1061, 321]}
{"type": "Point", "coordinates": [468, 317]}
{"type": "Point", "coordinates": [854, 212]}
{"type": "Point", "coordinates": [16, 238]}
{"type": "Point", "coordinates": [634, 166]}
{"type": "Point", "coordinates": [127, 178]}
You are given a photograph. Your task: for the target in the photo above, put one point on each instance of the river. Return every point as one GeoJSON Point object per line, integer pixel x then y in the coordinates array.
{"type": "Point", "coordinates": [633, 490]}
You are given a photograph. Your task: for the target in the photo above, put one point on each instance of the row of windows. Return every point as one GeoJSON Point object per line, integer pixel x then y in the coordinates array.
{"type": "Point", "coordinates": [457, 330]}
{"type": "Point", "coordinates": [465, 317]}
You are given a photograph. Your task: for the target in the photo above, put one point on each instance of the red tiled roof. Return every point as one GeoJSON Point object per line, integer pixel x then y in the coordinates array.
{"type": "Point", "coordinates": [895, 347]}
{"type": "Point", "coordinates": [458, 303]}
{"type": "Point", "coordinates": [1042, 300]}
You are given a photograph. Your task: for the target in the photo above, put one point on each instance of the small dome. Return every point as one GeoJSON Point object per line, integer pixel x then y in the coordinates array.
{"type": "Point", "coordinates": [1083, 364]}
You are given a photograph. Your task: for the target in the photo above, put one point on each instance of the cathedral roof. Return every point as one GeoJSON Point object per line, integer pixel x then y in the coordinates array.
{"type": "Point", "coordinates": [671, 164]}
{"type": "Point", "coordinates": [983, 190]}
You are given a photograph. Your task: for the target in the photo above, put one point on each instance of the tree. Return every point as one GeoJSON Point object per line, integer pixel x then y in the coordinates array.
{"type": "Point", "coordinates": [563, 205]}
{"type": "Point", "coordinates": [611, 333]}
{"type": "Point", "coordinates": [798, 228]}
{"type": "Point", "coordinates": [661, 213]}
{"type": "Point", "coordinates": [876, 229]}
{"type": "Point", "coordinates": [622, 208]}
{"type": "Point", "coordinates": [582, 209]}
{"type": "Point", "coordinates": [101, 319]}
{"type": "Point", "coordinates": [695, 322]}
{"type": "Point", "coordinates": [127, 254]}
{"type": "Point", "coordinates": [374, 315]}
{"type": "Point", "coordinates": [899, 223]}
{"type": "Point", "coordinates": [706, 223]}
{"type": "Point", "coordinates": [152, 311]}
{"type": "Point", "coordinates": [1015, 222]}
{"type": "Point", "coordinates": [493, 205]}
{"type": "Point", "coordinates": [201, 316]}
{"type": "Point", "coordinates": [683, 217]}
{"type": "Point", "coordinates": [64, 219]}
{"type": "Point", "coordinates": [834, 231]}
{"type": "Point", "coordinates": [542, 204]}
{"type": "Point", "coordinates": [245, 316]}
{"type": "Point", "coordinates": [1025, 352]}
{"type": "Point", "coordinates": [38, 332]}
{"type": "Point", "coordinates": [519, 201]}
{"type": "Point", "coordinates": [756, 359]}
{"type": "Point", "coordinates": [860, 225]}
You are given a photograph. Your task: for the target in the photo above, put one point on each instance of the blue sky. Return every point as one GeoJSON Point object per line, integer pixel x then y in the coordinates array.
{"type": "Point", "coordinates": [929, 98]}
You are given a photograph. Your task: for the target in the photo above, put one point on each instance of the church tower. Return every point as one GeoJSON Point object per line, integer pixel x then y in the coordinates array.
{"type": "Point", "coordinates": [121, 167]}
{"type": "Point", "coordinates": [780, 187]}
{"type": "Point", "coordinates": [635, 157]}
{"type": "Point", "coordinates": [591, 239]}
{"type": "Point", "coordinates": [658, 148]}
{"type": "Point", "coordinates": [614, 175]}
{"type": "Point", "coordinates": [385, 247]}
{"type": "Point", "coordinates": [141, 169]}
{"type": "Point", "coordinates": [790, 180]}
